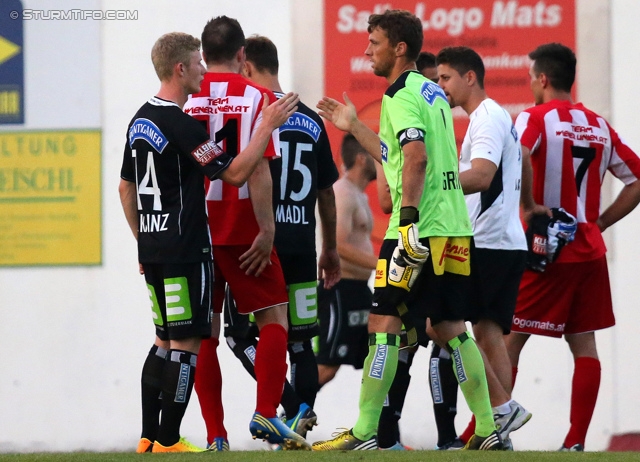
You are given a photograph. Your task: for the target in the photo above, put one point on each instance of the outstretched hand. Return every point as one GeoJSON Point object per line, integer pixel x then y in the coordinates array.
{"type": "Point", "coordinates": [343, 116]}
{"type": "Point", "coordinates": [277, 113]}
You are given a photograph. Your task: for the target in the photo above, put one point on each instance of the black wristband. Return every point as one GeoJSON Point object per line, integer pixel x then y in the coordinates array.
{"type": "Point", "coordinates": [408, 215]}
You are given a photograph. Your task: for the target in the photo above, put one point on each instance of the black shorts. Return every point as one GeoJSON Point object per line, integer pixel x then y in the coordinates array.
{"type": "Point", "coordinates": [343, 314]}
{"type": "Point", "coordinates": [300, 274]}
{"type": "Point", "coordinates": [496, 278]}
{"type": "Point", "coordinates": [420, 324]}
{"type": "Point", "coordinates": [188, 311]}
{"type": "Point", "coordinates": [440, 298]}
{"type": "Point", "coordinates": [237, 325]}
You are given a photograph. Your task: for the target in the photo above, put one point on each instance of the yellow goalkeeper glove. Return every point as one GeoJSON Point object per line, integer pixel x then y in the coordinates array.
{"type": "Point", "coordinates": [401, 274]}
{"type": "Point", "coordinates": [411, 250]}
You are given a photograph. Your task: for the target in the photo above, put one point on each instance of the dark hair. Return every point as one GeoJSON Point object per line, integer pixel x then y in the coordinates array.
{"type": "Point", "coordinates": [222, 37]}
{"type": "Point", "coordinates": [557, 62]}
{"type": "Point", "coordinates": [463, 60]}
{"type": "Point", "coordinates": [400, 26]}
{"type": "Point", "coordinates": [425, 59]}
{"type": "Point", "coordinates": [262, 53]}
{"type": "Point", "coordinates": [349, 150]}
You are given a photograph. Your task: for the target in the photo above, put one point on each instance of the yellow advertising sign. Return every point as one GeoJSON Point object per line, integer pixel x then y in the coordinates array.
{"type": "Point", "coordinates": [50, 201]}
{"type": "Point", "coordinates": [8, 49]}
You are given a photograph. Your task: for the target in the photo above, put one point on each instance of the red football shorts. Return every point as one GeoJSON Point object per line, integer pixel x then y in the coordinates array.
{"type": "Point", "coordinates": [251, 293]}
{"type": "Point", "coordinates": [568, 298]}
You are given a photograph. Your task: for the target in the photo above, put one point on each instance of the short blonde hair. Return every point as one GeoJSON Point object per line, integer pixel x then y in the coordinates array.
{"type": "Point", "coordinates": [171, 49]}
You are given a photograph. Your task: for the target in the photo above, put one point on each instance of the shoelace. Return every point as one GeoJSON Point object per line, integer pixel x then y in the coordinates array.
{"type": "Point", "coordinates": [342, 431]}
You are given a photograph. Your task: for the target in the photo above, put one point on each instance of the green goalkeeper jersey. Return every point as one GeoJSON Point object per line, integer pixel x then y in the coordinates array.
{"type": "Point", "coordinates": [414, 104]}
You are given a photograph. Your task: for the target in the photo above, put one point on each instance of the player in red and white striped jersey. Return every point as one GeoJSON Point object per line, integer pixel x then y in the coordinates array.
{"type": "Point", "coordinates": [573, 180]}
{"type": "Point", "coordinates": [570, 149]}
{"type": "Point", "coordinates": [242, 231]}
{"type": "Point", "coordinates": [229, 107]}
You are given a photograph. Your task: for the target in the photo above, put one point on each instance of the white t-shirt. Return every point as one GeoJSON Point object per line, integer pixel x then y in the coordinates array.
{"type": "Point", "coordinates": [495, 213]}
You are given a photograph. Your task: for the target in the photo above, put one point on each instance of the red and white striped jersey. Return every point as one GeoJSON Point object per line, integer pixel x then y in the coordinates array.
{"type": "Point", "coordinates": [231, 108]}
{"type": "Point", "coordinates": [571, 150]}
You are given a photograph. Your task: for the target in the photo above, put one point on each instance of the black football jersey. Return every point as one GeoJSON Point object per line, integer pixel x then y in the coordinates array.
{"type": "Point", "coordinates": [305, 166]}
{"type": "Point", "coordinates": [167, 155]}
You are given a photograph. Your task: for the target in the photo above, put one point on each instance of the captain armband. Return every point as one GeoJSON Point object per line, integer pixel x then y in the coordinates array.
{"type": "Point", "coordinates": [409, 135]}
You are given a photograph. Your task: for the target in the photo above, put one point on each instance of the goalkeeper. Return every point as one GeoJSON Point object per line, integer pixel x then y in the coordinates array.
{"type": "Point", "coordinates": [425, 258]}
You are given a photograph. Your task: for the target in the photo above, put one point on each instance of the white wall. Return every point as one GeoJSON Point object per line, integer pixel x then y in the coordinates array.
{"type": "Point", "coordinates": [129, 80]}
{"type": "Point", "coordinates": [625, 66]}
{"type": "Point", "coordinates": [74, 339]}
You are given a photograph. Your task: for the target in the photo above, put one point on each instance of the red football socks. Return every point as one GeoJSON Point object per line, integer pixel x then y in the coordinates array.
{"type": "Point", "coordinates": [469, 431]}
{"type": "Point", "coordinates": [271, 368]}
{"type": "Point", "coordinates": [584, 393]}
{"type": "Point", "coordinates": [208, 386]}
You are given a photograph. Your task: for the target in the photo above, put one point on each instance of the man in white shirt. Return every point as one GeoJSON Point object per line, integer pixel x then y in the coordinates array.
{"type": "Point", "coordinates": [490, 176]}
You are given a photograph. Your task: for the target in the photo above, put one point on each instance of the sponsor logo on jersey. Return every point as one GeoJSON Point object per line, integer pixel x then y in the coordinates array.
{"type": "Point", "coordinates": [539, 244]}
{"type": "Point", "coordinates": [211, 110]}
{"type": "Point", "coordinates": [381, 274]}
{"type": "Point", "coordinates": [379, 360]}
{"type": "Point", "coordinates": [206, 152]}
{"type": "Point", "coordinates": [211, 106]}
{"type": "Point", "coordinates": [540, 325]}
{"type": "Point", "coordinates": [303, 305]}
{"type": "Point", "coordinates": [384, 151]}
{"type": "Point", "coordinates": [302, 123]}
{"type": "Point", "coordinates": [455, 252]}
{"type": "Point", "coordinates": [576, 132]}
{"type": "Point", "coordinates": [431, 92]}
{"type": "Point", "coordinates": [148, 131]}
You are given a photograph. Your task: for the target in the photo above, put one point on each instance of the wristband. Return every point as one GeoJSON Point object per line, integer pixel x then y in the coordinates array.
{"type": "Point", "coordinates": [408, 215]}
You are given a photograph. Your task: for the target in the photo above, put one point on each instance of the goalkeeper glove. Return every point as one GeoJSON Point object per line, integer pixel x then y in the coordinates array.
{"type": "Point", "coordinates": [547, 236]}
{"type": "Point", "coordinates": [401, 274]}
{"type": "Point", "coordinates": [561, 230]}
{"type": "Point", "coordinates": [537, 243]}
{"type": "Point", "coordinates": [413, 253]}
